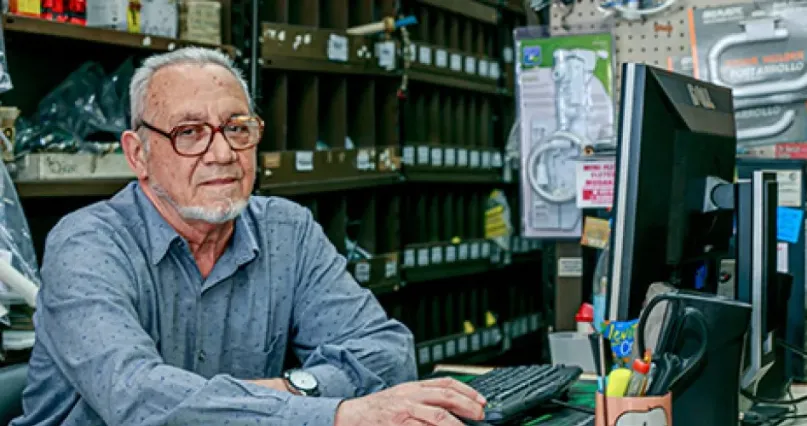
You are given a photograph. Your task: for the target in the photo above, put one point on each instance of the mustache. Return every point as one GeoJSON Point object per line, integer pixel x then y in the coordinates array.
{"type": "Point", "coordinates": [221, 174]}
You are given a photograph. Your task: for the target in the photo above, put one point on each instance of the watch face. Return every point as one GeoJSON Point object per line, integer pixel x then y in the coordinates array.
{"type": "Point", "coordinates": [303, 380]}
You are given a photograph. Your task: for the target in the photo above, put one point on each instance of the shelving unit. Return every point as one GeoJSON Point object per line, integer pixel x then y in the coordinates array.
{"type": "Point", "coordinates": [393, 143]}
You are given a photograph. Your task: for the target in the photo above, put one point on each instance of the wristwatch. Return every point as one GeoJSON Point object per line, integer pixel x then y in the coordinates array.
{"type": "Point", "coordinates": [302, 381]}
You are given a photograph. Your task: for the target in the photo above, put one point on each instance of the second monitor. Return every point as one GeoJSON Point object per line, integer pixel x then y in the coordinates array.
{"type": "Point", "coordinates": [673, 212]}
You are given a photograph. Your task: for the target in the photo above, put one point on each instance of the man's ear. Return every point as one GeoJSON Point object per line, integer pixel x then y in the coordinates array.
{"type": "Point", "coordinates": [135, 151]}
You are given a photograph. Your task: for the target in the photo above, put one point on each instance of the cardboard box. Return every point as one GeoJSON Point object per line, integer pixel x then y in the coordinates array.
{"type": "Point", "coordinates": [200, 21]}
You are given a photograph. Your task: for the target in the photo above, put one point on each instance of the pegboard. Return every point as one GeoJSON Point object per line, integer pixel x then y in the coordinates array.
{"type": "Point", "coordinates": [656, 41]}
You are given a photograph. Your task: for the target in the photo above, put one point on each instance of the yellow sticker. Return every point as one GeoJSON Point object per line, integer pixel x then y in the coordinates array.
{"type": "Point", "coordinates": [596, 233]}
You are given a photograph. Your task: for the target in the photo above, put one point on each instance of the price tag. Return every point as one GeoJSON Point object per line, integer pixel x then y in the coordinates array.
{"type": "Point", "coordinates": [451, 254]}
{"type": "Point", "coordinates": [525, 324]}
{"type": "Point", "coordinates": [483, 68]}
{"type": "Point", "coordinates": [423, 257]}
{"type": "Point", "coordinates": [485, 338]}
{"type": "Point", "coordinates": [385, 51]}
{"type": "Point", "coordinates": [474, 251]}
{"type": "Point", "coordinates": [507, 257]}
{"type": "Point", "coordinates": [534, 322]}
{"type": "Point", "coordinates": [423, 155]}
{"type": "Point", "coordinates": [363, 272]}
{"type": "Point", "coordinates": [462, 157]}
{"type": "Point", "coordinates": [424, 355]}
{"type": "Point", "coordinates": [507, 55]}
{"type": "Point", "coordinates": [496, 335]}
{"type": "Point", "coordinates": [451, 348]}
{"type": "Point", "coordinates": [462, 253]}
{"type": "Point", "coordinates": [441, 58]}
{"type": "Point", "coordinates": [425, 55]}
{"type": "Point", "coordinates": [494, 72]}
{"type": "Point", "coordinates": [474, 158]}
{"type": "Point", "coordinates": [456, 62]}
{"type": "Point", "coordinates": [570, 267]}
{"type": "Point", "coordinates": [462, 345]}
{"type": "Point", "coordinates": [475, 342]}
{"type": "Point", "coordinates": [304, 161]}
{"type": "Point", "coordinates": [485, 249]}
{"type": "Point", "coordinates": [437, 255]}
{"type": "Point", "coordinates": [337, 48]}
{"type": "Point", "coordinates": [409, 155]}
{"type": "Point", "coordinates": [391, 268]}
{"type": "Point", "coordinates": [437, 157]}
{"type": "Point", "coordinates": [496, 256]}
{"type": "Point", "coordinates": [507, 328]}
{"type": "Point", "coordinates": [515, 244]}
{"type": "Point", "coordinates": [525, 245]}
{"type": "Point", "coordinates": [450, 157]}
{"type": "Point", "coordinates": [485, 159]}
{"type": "Point", "coordinates": [363, 160]}
{"type": "Point", "coordinates": [412, 52]}
{"type": "Point", "coordinates": [409, 258]}
{"type": "Point", "coordinates": [470, 65]}
{"type": "Point", "coordinates": [437, 352]}
{"type": "Point", "coordinates": [496, 160]}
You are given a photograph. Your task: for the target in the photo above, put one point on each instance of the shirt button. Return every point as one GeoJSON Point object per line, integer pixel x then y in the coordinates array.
{"type": "Point", "coordinates": [202, 356]}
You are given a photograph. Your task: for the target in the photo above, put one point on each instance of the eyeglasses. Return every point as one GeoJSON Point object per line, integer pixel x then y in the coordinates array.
{"type": "Point", "coordinates": [194, 139]}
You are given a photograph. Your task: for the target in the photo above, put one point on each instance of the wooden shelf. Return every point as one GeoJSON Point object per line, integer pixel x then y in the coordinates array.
{"type": "Point", "coordinates": [483, 342]}
{"type": "Point", "coordinates": [303, 48]}
{"type": "Point", "coordinates": [471, 9]}
{"type": "Point", "coordinates": [456, 82]}
{"type": "Point", "coordinates": [451, 164]}
{"type": "Point", "coordinates": [427, 262]}
{"type": "Point", "coordinates": [306, 172]}
{"type": "Point", "coordinates": [70, 188]}
{"type": "Point", "coordinates": [381, 274]}
{"type": "Point", "coordinates": [28, 25]}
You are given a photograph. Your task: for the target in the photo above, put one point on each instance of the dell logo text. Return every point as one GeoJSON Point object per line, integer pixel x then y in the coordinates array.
{"type": "Point", "coordinates": [700, 96]}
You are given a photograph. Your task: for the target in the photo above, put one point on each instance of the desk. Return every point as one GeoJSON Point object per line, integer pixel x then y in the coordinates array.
{"type": "Point", "coordinates": [798, 391]}
{"type": "Point", "coordinates": [582, 395]}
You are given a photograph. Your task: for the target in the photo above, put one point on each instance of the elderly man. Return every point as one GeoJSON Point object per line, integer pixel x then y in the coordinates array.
{"type": "Point", "coordinates": [175, 301]}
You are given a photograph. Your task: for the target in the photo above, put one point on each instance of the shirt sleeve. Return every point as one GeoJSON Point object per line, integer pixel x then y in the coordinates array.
{"type": "Point", "coordinates": [340, 331]}
{"type": "Point", "coordinates": [88, 322]}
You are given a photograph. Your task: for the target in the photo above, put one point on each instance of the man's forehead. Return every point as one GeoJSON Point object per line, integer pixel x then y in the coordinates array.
{"type": "Point", "coordinates": [181, 100]}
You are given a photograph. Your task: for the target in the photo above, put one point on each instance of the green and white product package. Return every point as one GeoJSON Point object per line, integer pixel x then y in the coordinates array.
{"type": "Point", "coordinates": [565, 103]}
{"type": "Point", "coordinates": [681, 65]}
{"type": "Point", "coordinates": [757, 49]}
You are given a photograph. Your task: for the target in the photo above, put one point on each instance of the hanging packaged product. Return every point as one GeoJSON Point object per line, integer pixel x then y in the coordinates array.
{"type": "Point", "coordinates": [757, 49]}
{"type": "Point", "coordinates": [565, 103]}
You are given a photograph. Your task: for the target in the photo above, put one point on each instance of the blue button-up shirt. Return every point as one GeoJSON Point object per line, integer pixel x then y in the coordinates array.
{"type": "Point", "coordinates": [130, 333]}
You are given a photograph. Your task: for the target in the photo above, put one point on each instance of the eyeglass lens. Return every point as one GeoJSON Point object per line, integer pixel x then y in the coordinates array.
{"type": "Point", "coordinates": [194, 138]}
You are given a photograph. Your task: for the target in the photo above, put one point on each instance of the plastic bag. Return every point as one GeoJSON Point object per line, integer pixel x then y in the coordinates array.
{"type": "Point", "coordinates": [17, 247]}
{"type": "Point", "coordinates": [87, 112]}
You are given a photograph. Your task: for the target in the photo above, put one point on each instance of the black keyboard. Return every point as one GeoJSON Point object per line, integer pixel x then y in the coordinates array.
{"type": "Point", "coordinates": [513, 391]}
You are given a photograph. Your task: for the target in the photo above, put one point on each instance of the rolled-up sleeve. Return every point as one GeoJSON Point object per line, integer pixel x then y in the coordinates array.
{"type": "Point", "coordinates": [340, 331]}
{"type": "Point", "coordinates": [88, 321]}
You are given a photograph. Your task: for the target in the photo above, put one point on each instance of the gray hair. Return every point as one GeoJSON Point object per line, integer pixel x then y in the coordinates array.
{"type": "Point", "coordinates": [141, 79]}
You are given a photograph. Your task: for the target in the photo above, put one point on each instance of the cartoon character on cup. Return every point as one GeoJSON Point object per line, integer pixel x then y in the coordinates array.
{"type": "Point", "coordinates": [655, 417]}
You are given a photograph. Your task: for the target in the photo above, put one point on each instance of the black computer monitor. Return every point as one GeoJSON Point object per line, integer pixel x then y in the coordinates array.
{"type": "Point", "coordinates": [673, 209]}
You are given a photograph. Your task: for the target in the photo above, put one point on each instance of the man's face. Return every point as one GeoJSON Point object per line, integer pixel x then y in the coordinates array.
{"type": "Point", "coordinates": [214, 186]}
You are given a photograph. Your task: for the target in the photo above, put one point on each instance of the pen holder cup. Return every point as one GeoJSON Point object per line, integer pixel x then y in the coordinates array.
{"type": "Point", "coordinates": [648, 410]}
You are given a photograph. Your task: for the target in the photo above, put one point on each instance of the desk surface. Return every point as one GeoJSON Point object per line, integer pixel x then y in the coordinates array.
{"type": "Point", "coordinates": [798, 391]}
{"type": "Point", "coordinates": [584, 397]}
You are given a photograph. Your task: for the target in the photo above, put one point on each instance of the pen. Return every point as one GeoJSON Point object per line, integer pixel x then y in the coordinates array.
{"type": "Point", "coordinates": [638, 379]}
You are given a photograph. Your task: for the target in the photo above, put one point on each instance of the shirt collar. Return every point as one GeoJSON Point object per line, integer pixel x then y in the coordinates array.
{"type": "Point", "coordinates": [161, 235]}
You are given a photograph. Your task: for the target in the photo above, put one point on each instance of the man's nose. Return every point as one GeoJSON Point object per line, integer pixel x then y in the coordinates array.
{"type": "Point", "coordinates": [220, 150]}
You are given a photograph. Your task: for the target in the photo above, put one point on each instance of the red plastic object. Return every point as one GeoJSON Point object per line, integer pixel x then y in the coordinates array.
{"type": "Point", "coordinates": [640, 366]}
{"type": "Point", "coordinates": [585, 313]}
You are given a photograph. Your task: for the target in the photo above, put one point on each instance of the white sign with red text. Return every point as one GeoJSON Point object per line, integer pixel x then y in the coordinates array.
{"type": "Point", "coordinates": [595, 183]}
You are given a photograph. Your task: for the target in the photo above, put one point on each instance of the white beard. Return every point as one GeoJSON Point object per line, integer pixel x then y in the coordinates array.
{"type": "Point", "coordinates": [227, 210]}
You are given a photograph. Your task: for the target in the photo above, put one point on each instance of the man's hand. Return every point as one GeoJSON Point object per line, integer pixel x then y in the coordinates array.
{"type": "Point", "coordinates": [436, 402]}
{"type": "Point", "coordinates": [276, 384]}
